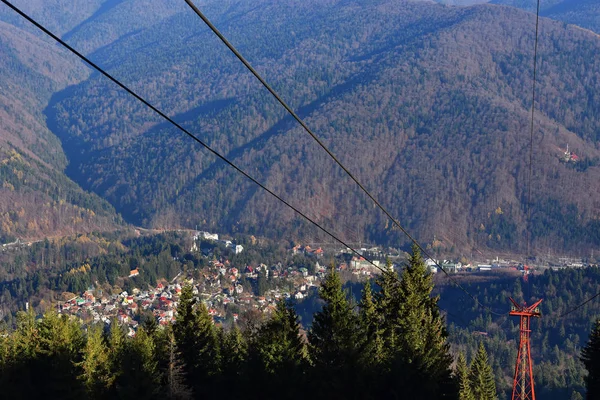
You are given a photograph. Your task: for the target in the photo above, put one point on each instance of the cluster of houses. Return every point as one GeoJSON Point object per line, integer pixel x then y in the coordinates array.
{"type": "Point", "coordinates": [219, 285]}
{"type": "Point", "coordinates": [96, 306]}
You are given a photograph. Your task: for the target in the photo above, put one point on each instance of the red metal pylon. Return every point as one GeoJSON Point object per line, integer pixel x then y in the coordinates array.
{"type": "Point", "coordinates": [523, 385]}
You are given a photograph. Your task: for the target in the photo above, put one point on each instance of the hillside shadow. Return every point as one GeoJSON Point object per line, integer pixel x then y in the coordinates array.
{"type": "Point", "coordinates": [104, 8]}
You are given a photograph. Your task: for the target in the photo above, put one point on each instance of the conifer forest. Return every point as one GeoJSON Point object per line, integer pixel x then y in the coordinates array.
{"type": "Point", "coordinates": [283, 199]}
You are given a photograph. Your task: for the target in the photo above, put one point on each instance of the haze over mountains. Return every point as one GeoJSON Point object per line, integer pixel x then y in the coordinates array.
{"type": "Point", "coordinates": [428, 104]}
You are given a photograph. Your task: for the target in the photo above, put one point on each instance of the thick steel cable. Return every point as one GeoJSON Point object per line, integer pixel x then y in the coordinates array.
{"type": "Point", "coordinates": [530, 173]}
{"type": "Point", "coordinates": [181, 128]}
{"type": "Point", "coordinates": [243, 60]}
{"type": "Point", "coordinates": [578, 306]}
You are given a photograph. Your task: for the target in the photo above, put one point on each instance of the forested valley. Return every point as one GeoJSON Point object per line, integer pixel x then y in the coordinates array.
{"type": "Point", "coordinates": [392, 343]}
{"type": "Point", "coordinates": [427, 104]}
{"type": "Point", "coordinates": [41, 275]}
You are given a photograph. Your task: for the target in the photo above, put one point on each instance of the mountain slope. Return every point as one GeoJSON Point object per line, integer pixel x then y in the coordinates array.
{"type": "Point", "coordinates": [427, 104]}
{"type": "Point", "coordinates": [584, 13]}
{"type": "Point", "coordinates": [37, 199]}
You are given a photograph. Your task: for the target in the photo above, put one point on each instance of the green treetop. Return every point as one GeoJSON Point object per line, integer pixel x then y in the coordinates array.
{"type": "Point", "coordinates": [370, 324]}
{"type": "Point", "coordinates": [482, 377]}
{"type": "Point", "coordinates": [197, 342]}
{"type": "Point", "coordinates": [278, 355]}
{"type": "Point", "coordinates": [335, 341]}
{"type": "Point", "coordinates": [420, 350]}
{"type": "Point", "coordinates": [96, 375]}
{"type": "Point", "coordinates": [590, 355]}
{"type": "Point", "coordinates": [462, 375]}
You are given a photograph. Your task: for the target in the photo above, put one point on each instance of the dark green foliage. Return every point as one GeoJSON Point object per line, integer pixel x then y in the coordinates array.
{"type": "Point", "coordinates": [421, 349]}
{"type": "Point", "coordinates": [278, 358]}
{"type": "Point", "coordinates": [198, 344]}
{"type": "Point", "coordinates": [590, 355]}
{"type": "Point", "coordinates": [462, 375]}
{"type": "Point", "coordinates": [370, 323]}
{"type": "Point", "coordinates": [96, 373]}
{"type": "Point", "coordinates": [482, 377]}
{"type": "Point", "coordinates": [336, 342]}
{"type": "Point", "coordinates": [555, 342]}
{"type": "Point", "coordinates": [388, 306]}
{"type": "Point", "coordinates": [41, 358]}
{"type": "Point", "coordinates": [234, 352]}
{"type": "Point", "coordinates": [275, 357]}
{"type": "Point", "coordinates": [138, 373]}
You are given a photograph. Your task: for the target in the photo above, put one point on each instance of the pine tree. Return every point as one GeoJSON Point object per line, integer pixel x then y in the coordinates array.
{"type": "Point", "coordinates": [21, 367]}
{"type": "Point", "coordinates": [277, 356]}
{"type": "Point", "coordinates": [372, 353]}
{"type": "Point", "coordinates": [335, 342]}
{"type": "Point", "coordinates": [5, 354]}
{"type": "Point", "coordinates": [176, 387]}
{"type": "Point", "coordinates": [116, 351]}
{"type": "Point", "coordinates": [139, 376]}
{"type": "Point", "coordinates": [26, 337]}
{"type": "Point", "coordinates": [96, 375]}
{"type": "Point", "coordinates": [422, 352]}
{"type": "Point", "coordinates": [462, 375]}
{"type": "Point", "coordinates": [61, 344]}
{"type": "Point", "coordinates": [482, 376]}
{"type": "Point", "coordinates": [198, 344]}
{"type": "Point", "coordinates": [234, 353]}
{"type": "Point", "coordinates": [590, 356]}
{"type": "Point", "coordinates": [388, 308]}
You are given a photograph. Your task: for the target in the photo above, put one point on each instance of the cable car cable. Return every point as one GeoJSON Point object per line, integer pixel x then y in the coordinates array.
{"type": "Point", "coordinates": [240, 57]}
{"type": "Point", "coordinates": [181, 128]}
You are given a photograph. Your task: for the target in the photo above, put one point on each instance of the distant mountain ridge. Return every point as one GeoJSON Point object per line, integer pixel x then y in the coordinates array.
{"type": "Point", "coordinates": [584, 13]}
{"type": "Point", "coordinates": [427, 104]}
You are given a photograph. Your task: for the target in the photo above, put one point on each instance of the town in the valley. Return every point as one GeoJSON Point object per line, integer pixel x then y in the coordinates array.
{"type": "Point", "coordinates": [229, 290]}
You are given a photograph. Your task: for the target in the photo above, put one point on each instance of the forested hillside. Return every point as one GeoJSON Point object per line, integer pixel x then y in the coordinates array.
{"type": "Point", "coordinates": [46, 272]}
{"type": "Point", "coordinates": [556, 338]}
{"type": "Point", "coordinates": [427, 104]}
{"type": "Point", "coordinates": [584, 13]}
{"type": "Point", "coordinates": [36, 198]}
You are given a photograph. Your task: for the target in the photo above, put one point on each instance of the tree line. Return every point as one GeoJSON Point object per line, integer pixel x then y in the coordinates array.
{"type": "Point", "coordinates": [391, 344]}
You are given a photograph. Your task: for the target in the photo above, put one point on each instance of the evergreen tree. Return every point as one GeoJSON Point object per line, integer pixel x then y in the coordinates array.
{"type": "Point", "coordinates": [590, 355]}
{"type": "Point", "coordinates": [96, 374]}
{"type": "Point", "coordinates": [198, 344]}
{"type": "Point", "coordinates": [421, 352]}
{"type": "Point", "coordinates": [462, 375]}
{"type": "Point", "coordinates": [388, 309]}
{"type": "Point", "coordinates": [423, 337]}
{"type": "Point", "coordinates": [20, 354]}
{"type": "Point", "coordinates": [176, 387]}
{"type": "Point", "coordinates": [576, 396]}
{"type": "Point", "coordinates": [372, 353]}
{"type": "Point", "coordinates": [5, 355]}
{"type": "Point", "coordinates": [482, 377]}
{"type": "Point", "coordinates": [278, 356]}
{"type": "Point", "coordinates": [61, 344]}
{"type": "Point", "coordinates": [116, 351]}
{"type": "Point", "coordinates": [234, 351]}
{"type": "Point", "coordinates": [335, 342]}
{"type": "Point", "coordinates": [139, 376]}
